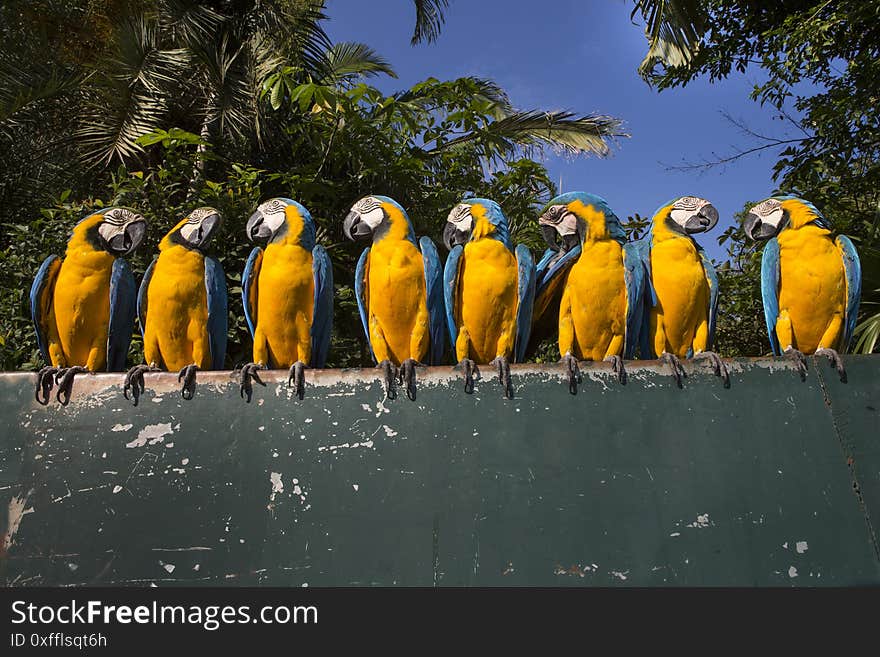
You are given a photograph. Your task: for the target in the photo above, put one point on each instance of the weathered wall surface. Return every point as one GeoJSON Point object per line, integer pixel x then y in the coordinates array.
{"type": "Point", "coordinates": [770, 482]}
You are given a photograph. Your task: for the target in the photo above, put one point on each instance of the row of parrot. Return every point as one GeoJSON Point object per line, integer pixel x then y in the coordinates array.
{"type": "Point", "coordinates": [608, 298]}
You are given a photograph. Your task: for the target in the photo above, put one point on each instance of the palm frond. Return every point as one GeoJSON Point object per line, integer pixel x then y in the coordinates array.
{"type": "Point", "coordinates": [673, 29]}
{"type": "Point", "coordinates": [434, 93]}
{"type": "Point", "coordinates": [129, 97]}
{"type": "Point", "coordinates": [347, 60]}
{"type": "Point", "coordinates": [429, 20]}
{"type": "Point", "coordinates": [23, 87]}
{"type": "Point", "coordinates": [560, 129]}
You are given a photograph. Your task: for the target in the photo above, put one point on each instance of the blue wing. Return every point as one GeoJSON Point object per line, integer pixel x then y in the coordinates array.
{"type": "Point", "coordinates": [215, 283]}
{"type": "Point", "coordinates": [550, 276]}
{"type": "Point", "coordinates": [642, 249]}
{"type": "Point", "coordinates": [712, 278]}
{"type": "Point", "coordinates": [123, 308]}
{"type": "Point", "coordinates": [634, 278]}
{"type": "Point", "coordinates": [450, 288]}
{"type": "Point", "coordinates": [322, 315]}
{"type": "Point", "coordinates": [360, 292]}
{"type": "Point", "coordinates": [525, 266]}
{"type": "Point", "coordinates": [544, 275]}
{"type": "Point", "coordinates": [41, 298]}
{"type": "Point", "coordinates": [434, 290]}
{"type": "Point", "coordinates": [142, 296]}
{"type": "Point", "coordinates": [770, 291]}
{"type": "Point", "coordinates": [853, 270]}
{"type": "Point", "coordinates": [544, 264]}
{"type": "Point", "coordinates": [249, 278]}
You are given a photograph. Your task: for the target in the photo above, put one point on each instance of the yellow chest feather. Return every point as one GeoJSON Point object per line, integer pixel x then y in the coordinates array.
{"type": "Point", "coordinates": [487, 295]}
{"type": "Point", "coordinates": [812, 283]}
{"type": "Point", "coordinates": [81, 304]}
{"type": "Point", "coordinates": [597, 294]}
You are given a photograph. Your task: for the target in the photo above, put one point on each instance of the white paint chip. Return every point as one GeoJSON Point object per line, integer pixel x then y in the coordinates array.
{"type": "Point", "coordinates": [169, 567]}
{"type": "Point", "coordinates": [801, 547]}
{"type": "Point", "coordinates": [792, 572]}
{"type": "Point", "coordinates": [121, 427]}
{"type": "Point", "coordinates": [116, 489]}
{"type": "Point", "coordinates": [355, 486]}
{"type": "Point", "coordinates": [277, 485]}
{"type": "Point", "coordinates": [151, 434]}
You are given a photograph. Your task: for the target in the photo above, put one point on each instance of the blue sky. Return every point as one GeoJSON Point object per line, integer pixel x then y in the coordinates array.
{"type": "Point", "coordinates": [583, 56]}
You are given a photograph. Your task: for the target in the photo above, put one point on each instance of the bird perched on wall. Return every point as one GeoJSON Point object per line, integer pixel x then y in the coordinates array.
{"type": "Point", "coordinates": [182, 305]}
{"type": "Point", "coordinates": [83, 306]}
{"type": "Point", "coordinates": [810, 283]}
{"type": "Point", "coordinates": [489, 290]}
{"type": "Point", "coordinates": [601, 278]}
{"type": "Point", "coordinates": [398, 285]}
{"type": "Point", "coordinates": [682, 287]}
{"type": "Point", "coordinates": [287, 290]}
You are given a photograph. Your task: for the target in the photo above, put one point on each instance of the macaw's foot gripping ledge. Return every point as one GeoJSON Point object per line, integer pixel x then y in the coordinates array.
{"type": "Point", "coordinates": [772, 481]}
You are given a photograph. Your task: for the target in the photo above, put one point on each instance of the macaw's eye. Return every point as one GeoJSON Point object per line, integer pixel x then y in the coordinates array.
{"type": "Point", "coordinates": [766, 208]}
{"type": "Point", "coordinates": [687, 203]}
{"type": "Point", "coordinates": [366, 205]}
{"type": "Point", "coordinates": [460, 213]}
{"type": "Point", "coordinates": [556, 213]}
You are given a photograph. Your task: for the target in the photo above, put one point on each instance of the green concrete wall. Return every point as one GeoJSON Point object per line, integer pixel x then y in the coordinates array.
{"type": "Point", "coordinates": [771, 482]}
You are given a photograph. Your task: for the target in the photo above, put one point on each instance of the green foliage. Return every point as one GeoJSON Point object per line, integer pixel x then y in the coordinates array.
{"type": "Point", "coordinates": [740, 328]}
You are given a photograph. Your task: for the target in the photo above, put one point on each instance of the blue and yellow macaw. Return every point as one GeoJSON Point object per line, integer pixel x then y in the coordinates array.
{"type": "Point", "coordinates": [287, 292]}
{"type": "Point", "coordinates": [602, 281]}
{"type": "Point", "coordinates": [682, 291]}
{"type": "Point", "coordinates": [83, 306]}
{"type": "Point", "coordinates": [489, 290]}
{"type": "Point", "coordinates": [398, 285]}
{"type": "Point", "coordinates": [182, 305]}
{"type": "Point", "coordinates": [810, 283]}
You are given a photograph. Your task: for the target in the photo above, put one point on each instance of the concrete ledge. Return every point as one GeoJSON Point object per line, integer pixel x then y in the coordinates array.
{"type": "Point", "coordinates": [771, 482]}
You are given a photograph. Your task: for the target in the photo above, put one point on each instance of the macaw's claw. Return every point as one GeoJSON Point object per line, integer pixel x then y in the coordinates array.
{"type": "Point", "coordinates": [296, 378]}
{"type": "Point", "coordinates": [503, 375]}
{"type": "Point", "coordinates": [674, 363]}
{"type": "Point", "coordinates": [407, 377]}
{"type": "Point", "coordinates": [471, 373]}
{"type": "Point", "coordinates": [835, 360]}
{"type": "Point", "coordinates": [717, 365]}
{"type": "Point", "coordinates": [390, 376]}
{"type": "Point", "coordinates": [64, 379]}
{"type": "Point", "coordinates": [799, 359]}
{"type": "Point", "coordinates": [45, 383]}
{"type": "Point", "coordinates": [187, 374]}
{"type": "Point", "coordinates": [249, 373]}
{"type": "Point", "coordinates": [134, 381]}
{"type": "Point", "coordinates": [618, 368]}
{"type": "Point", "coordinates": [574, 372]}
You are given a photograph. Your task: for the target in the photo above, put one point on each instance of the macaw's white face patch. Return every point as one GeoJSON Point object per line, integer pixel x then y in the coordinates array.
{"type": "Point", "coordinates": [369, 209]}
{"type": "Point", "coordinates": [460, 216]}
{"type": "Point", "coordinates": [273, 212]}
{"type": "Point", "coordinates": [769, 212]}
{"type": "Point", "coordinates": [692, 214]}
{"type": "Point", "coordinates": [194, 230]}
{"type": "Point", "coordinates": [122, 230]}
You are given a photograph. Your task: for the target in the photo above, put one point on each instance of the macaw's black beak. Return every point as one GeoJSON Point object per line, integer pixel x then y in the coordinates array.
{"type": "Point", "coordinates": [758, 230]}
{"type": "Point", "coordinates": [452, 237]}
{"type": "Point", "coordinates": [207, 228]}
{"type": "Point", "coordinates": [354, 228]}
{"type": "Point", "coordinates": [129, 239]}
{"type": "Point", "coordinates": [703, 221]}
{"type": "Point", "coordinates": [257, 229]}
{"type": "Point", "coordinates": [550, 236]}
